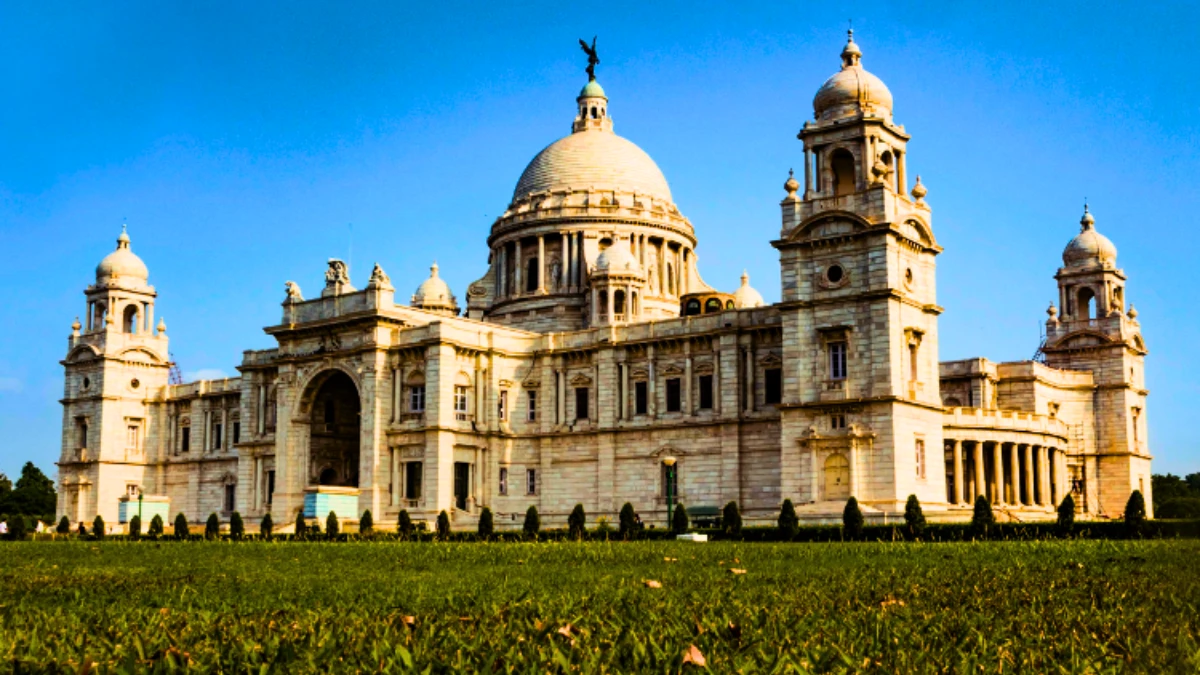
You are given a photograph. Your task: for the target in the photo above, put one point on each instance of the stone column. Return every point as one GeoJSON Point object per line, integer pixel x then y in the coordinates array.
{"type": "Point", "coordinates": [997, 474]}
{"type": "Point", "coordinates": [662, 269]}
{"type": "Point", "coordinates": [612, 315]}
{"type": "Point", "coordinates": [652, 384]}
{"type": "Point", "coordinates": [716, 375]}
{"type": "Point", "coordinates": [1043, 476]}
{"type": "Point", "coordinates": [977, 457]}
{"type": "Point", "coordinates": [687, 380]}
{"type": "Point", "coordinates": [1014, 464]}
{"type": "Point", "coordinates": [501, 271]}
{"type": "Point", "coordinates": [901, 178]}
{"type": "Point", "coordinates": [625, 391]}
{"type": "Point", "coordinates": [853, 459]}
{"type": "Point", "coordinates": [225, 435]}
{"type": "Point", "coordinates": [518, 271]}
{"type": "Point", "coordinates": [541, 280]}
{"type": "Point", "coordinates": [1028, 498]}
{"type": "Point", "coordinates": [564, 272]}
{"type": "Point", "coordinates": [808, 178]}
{"type": "Point", "coordinates": [958, 472]}
{"type": "Point", "coordinates": [1052, 465]}
{"type": "Point", "coordinates": [395, 476]}
{"type": "Point", "coordinates": [816, 474]}
{"type": "Point", "coordinates": [595, 305]}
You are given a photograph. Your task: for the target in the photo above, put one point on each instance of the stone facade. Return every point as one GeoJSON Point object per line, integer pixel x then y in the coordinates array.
{"type": "Point", "coordinates": [591, 357]}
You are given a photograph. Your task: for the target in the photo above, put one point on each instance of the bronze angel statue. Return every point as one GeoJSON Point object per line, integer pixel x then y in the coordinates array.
{"type": "Point", "coordinates": [592, 58]}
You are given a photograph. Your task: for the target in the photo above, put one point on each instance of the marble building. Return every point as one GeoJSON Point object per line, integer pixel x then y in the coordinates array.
{"type": "Point", "coordinates": [591, 353]}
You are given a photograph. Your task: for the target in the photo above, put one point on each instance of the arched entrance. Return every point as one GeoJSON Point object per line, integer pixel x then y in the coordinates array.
{"type": "Point", "coordinates": [334, 428]}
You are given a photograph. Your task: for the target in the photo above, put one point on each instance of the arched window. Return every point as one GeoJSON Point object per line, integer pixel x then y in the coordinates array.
{"type": "Point", "coordinates": [634, 308]}
{"type": "Point", "coordinates": [842, 164]}
{"type": "Point", "coordinates": [601, 304]}
{"type": "Point", "coordinates": [1086, 303]}
{"type": "Point", "coordinates": [531, 275]}
{"type": "Point", "coordinates": [837, 478]}
{"type": "Point", "coordinates": [671, 278]}
{"type": "Point", "coordinates": [595, 115]}
{"type": "Point", "coordinates": [712, 305]}
{"type": "Point", "coordinates": [692, 308]}
{"type": "Point", "coordinates": [729, 304]}
{"type": "Point", "coordinates": [618, 302]}
{"type": "Point", "coordinates": [130, 320]}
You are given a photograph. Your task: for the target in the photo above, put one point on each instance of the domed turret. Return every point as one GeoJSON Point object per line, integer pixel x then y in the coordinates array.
{"type": "Point", "coordinates": [434, 294]}
{"type": "Point", "coordinates": [745, 296]}
{"type": "Point", "coordinates": [617, 258]}
{"type": "Point", "coordinates": [1089, 247]}
{"type": "Point", "coordinates": [122, 265]}
{"type": "Point", "coordinates": [853, 90]}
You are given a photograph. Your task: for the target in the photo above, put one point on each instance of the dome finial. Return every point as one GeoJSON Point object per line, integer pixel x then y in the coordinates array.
{"type": "Point", "coordinates": [1088, 220]}
{"type": "Point", "coordinates": [123, 238]}
{"type": "Point", "coordinates": [433, 270]}
{"type": "Point", "coordinates": [850, 53]}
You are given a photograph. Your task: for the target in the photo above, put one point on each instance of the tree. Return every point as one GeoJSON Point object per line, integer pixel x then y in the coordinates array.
{"type": "Point", "coordinates": [533, 523]}
{"type": "Point", "coordinates": [577, 522]}
{"type": "Point", "coordinates": [34, 493]}
{"type": "Point", "coordinates": [265, 527]}
{"type": "Point", "coordinates": [679, 520]}
{"type": "Point", "coordinates": [98, 529]}
{"type": "Point", "coordinates": [627, 525]}
{"type": "Point", "coordinates": [852, 520]}
{"type": "Point", "coordinates": [135, 527]}
{"type": "Point", "coordinates": [237, 529]}
{"type": "Point", "coordinates": [366, 523]}
{"type": "Point", "coordinates": [17, 528]}
{"type": "Point", "coordinates": [443, 526]}
{"type": "Point", "coordinates": [982, 518]}
{"type": "Point", "coordinates": [1180, 507]}
{"type": "Point", "coordinates": [731, 520]}
{"type": "Point", "coordinates": [1066, 516]}
{"type": "Point", "coordinates": [156, 526]}
{"type": "Point", "coordinates": [405, 524]}
{"type": "Point", "coordinates": [486, 525]}
{"type": "Point", "coordinates": [212, 527]}
{"type": "Point", "coordinates": [914, 517]}
{"type": "Point", "coordinates": [789, 524]}
{"type": "Point", "coordinates": [181, 526]}
{"type": "Point", "coordinates": [64, 526]}
{"type": "Point", "coordinates": [301, 525]}
{"type": "Point", "coordinates": [332, 527]}
{"type": "Point", "coordinates": [1135, 515]}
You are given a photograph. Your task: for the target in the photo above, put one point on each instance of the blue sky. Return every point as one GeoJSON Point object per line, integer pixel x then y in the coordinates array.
{"type": "Point", "coordinates": [240, 141]}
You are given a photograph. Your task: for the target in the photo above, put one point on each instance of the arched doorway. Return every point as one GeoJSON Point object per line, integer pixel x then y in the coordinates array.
{"type": "Point", "coordinates": [334, 428]}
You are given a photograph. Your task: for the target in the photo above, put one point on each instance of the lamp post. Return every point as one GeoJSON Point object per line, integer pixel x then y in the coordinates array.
{"type": "Point", "coordinates": [669, 462]}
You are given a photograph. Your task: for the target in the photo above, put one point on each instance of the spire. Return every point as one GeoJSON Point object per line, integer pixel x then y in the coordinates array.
{"type": "Point", "coordinates": [1088, 221]}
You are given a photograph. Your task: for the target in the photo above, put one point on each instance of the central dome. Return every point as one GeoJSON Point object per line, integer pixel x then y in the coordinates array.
{"type": "Point", "coordinates": [593, 158]}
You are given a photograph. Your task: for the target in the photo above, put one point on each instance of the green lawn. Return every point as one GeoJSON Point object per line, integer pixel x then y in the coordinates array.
{"type": "Point", "coordinates": [1038, 607]}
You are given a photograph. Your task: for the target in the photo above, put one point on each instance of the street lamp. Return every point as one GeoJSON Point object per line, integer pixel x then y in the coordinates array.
{"type": "Point", "coordinates": [669, 462]}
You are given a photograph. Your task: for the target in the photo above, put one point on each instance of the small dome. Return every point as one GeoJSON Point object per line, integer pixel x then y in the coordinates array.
{"type": "Point", "coordinates": [852, 90]}
{"type": "Point", "coordinates": [617, 258]}
{"type": "Point", "coordinates": [592, 90]}
{"type": "Point", "coordinates": [1089, 247]}
{"type": "Point", "coordinates": [434, 292]}
{"type": "Point", "coordinates": [122, 264]}
{"type": "Point", "coordinates": [593, 158]}
{"type": "Point", "coordinates": [745, 296]}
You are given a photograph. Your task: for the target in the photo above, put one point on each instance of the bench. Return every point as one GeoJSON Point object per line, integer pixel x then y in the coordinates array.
{"type": "Point", "coordinates": [704, 516]}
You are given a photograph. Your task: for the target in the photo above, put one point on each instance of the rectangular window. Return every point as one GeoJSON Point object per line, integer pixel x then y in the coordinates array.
{"type": "Point", "coordinates": [531, 397]}
{"type": "Point", "coordinates": [673, 397]}
{"type": "Point", "coordinates": [132, 434]}
{"type": "Point", "coordinates": [837, 422]}
{"type": "Point", "coordinates": [502, 408]}
{"type": "Point", "coordinates": [460, 402]}
{"type": "Point", "coordinates": [641, 397]}
{"type": "Point", "coordinates": [230, 498]}
{"type": "Point", "coordinates": [503, 480]}
{"type": "Point", "coordinates": [270, 485]}
{"type": "Point", "coordinates": [416, 398]}
{"type": "Point", "coordinates": [921, 458]}
{"type": "Point", "coordinates": [706, 392]}
{"type": "Point", "coordinates": [185, 439]}
{"type": "Point", "coordinates": [412, 480]}
{"type": "Point", "coordinates": [581, 403]}
{"type": "Point", "coordinates": [131, 490]}
{"type": "Point", "coordinates": [531, 482]}
{"type": "Point", "coordinates": [1137, 414]}
{"type": "Point", "coordinates": [81, 431]}
{"type": "Point", "coordinates": [237, 432]}
{"type": "Point", "coordinates": [216, 441]}
{"type": "Point", "coordinates": [837, 360]}
{"type": "Point", "coordinates": [772, 385]}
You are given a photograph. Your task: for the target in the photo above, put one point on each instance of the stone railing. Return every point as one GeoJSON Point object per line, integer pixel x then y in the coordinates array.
{"type": "Point", "coordinates": [1008, 420]}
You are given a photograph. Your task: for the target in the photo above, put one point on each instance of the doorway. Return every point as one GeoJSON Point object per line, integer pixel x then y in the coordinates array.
{"type": "Point", "coordinates": [462, 484]}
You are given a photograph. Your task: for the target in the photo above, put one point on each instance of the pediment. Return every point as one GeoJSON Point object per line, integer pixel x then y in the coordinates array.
{"type": "Point", "coordinates": [580, 380]}
{"type": "Point", "coordinates": [671, 370]}
{"type": "Point", "coordinates": [828, 225]}
{"type": "Point", "coordinates": [771, 360]}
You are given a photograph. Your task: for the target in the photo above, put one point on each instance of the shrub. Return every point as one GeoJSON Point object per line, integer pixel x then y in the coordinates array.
{"type": "Point", "coordinates": [181, 526]}
{"type": "Point", "coordinates": [405, 524]}
{"type": "Point", "coordinates": [82, 530]}
{"type": "Point", "coordinates": [367, 523]}
{"type": "Point", "coordinates": [237, 529]}
{"type": "Point", "coordinates": [731, 520]}
{"type": "Point", "coordinates": [212, 527]}
{"type": "Point", "coordinates": [852, 520]}
{"type": "Point", "coordinates": [18, 528]}
{"type": "Point", "coordinates": [313, 531]}
{"type": "Point", "coordinates": [1135, 515]}
{"type": "Point", "coordinates": [789, 524]}
{"type": "Point", "coordinates": [914, 517]}
{"type": "Point", "coordinates": [64, 526]}
{"type": "Point", "coordinates": [98, 529]}
{"type": "Point", "coordinates": [301, 526]}
{"type": "Point", "coordinates": [443, 526]}
{"type": "Point", "coordinates": [1066, 516]}
{"type": "Point", "coordinates": [1179, 507]}
{"type": "Point", "coordinates": [156, 526]}
{"type": "Point", "coordinates": [332, 527]}
{"type": "Point", "coordinates": [627, 522]}
{"type": "Point", "coordinates": [135, 527]}
{"type": "Point", "coordinates": [679, 520]}
{"type": "Point", "coordinates": [577, 522]}
{"type": "Point", "coordinates": [982, 518]}
{"type": "Point", "coordinates": [533, 523]}
{"type": "Point", "coordinates": [486, 526]}
{"type": "Point", "coordinates": [265, 527]}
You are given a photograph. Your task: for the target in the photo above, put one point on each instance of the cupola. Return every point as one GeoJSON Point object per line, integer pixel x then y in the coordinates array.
{"type": "Point", "coordinates": [852, 91]}
{"type": "Point", "coordinates": [434, 294]}
{"type": "Point", "coordinates": [1089, 247]}
{"type": "Point", "coordinates": [122, 265]}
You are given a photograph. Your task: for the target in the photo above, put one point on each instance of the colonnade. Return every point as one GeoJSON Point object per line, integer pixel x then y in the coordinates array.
{"type": "Point", "coordinates": [1007, 473]}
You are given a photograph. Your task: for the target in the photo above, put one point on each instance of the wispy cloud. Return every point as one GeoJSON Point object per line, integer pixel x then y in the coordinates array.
{"type": "Point", "coordinates": [204, 374]}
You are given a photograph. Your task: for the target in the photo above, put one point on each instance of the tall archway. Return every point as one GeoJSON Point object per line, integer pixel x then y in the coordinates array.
{"type": "Point", "coordinates": [335, 423]}
{"type": "Point", "coordinates": [842, 164]}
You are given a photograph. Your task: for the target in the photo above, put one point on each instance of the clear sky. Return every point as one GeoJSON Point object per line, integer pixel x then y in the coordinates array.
{"type": "Point", "coordinates": [240, 141]}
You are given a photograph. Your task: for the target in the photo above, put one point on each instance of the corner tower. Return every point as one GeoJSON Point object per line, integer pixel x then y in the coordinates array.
{"type": "Point", "coordinates": [862, 413]}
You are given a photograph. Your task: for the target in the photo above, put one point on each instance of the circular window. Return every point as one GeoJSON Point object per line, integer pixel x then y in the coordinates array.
{"type": "Point", "coordinates": [908, 276]}
{"type": "Point", "coordinates": [86, 383]}
{"type": "Point", "coordinates": [835, 274]}
{"type": "Point", "coordinates": [134, 383]}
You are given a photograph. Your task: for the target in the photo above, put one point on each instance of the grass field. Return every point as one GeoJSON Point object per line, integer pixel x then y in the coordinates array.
{"type": "Point", "coordinates": [1037, 607]}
